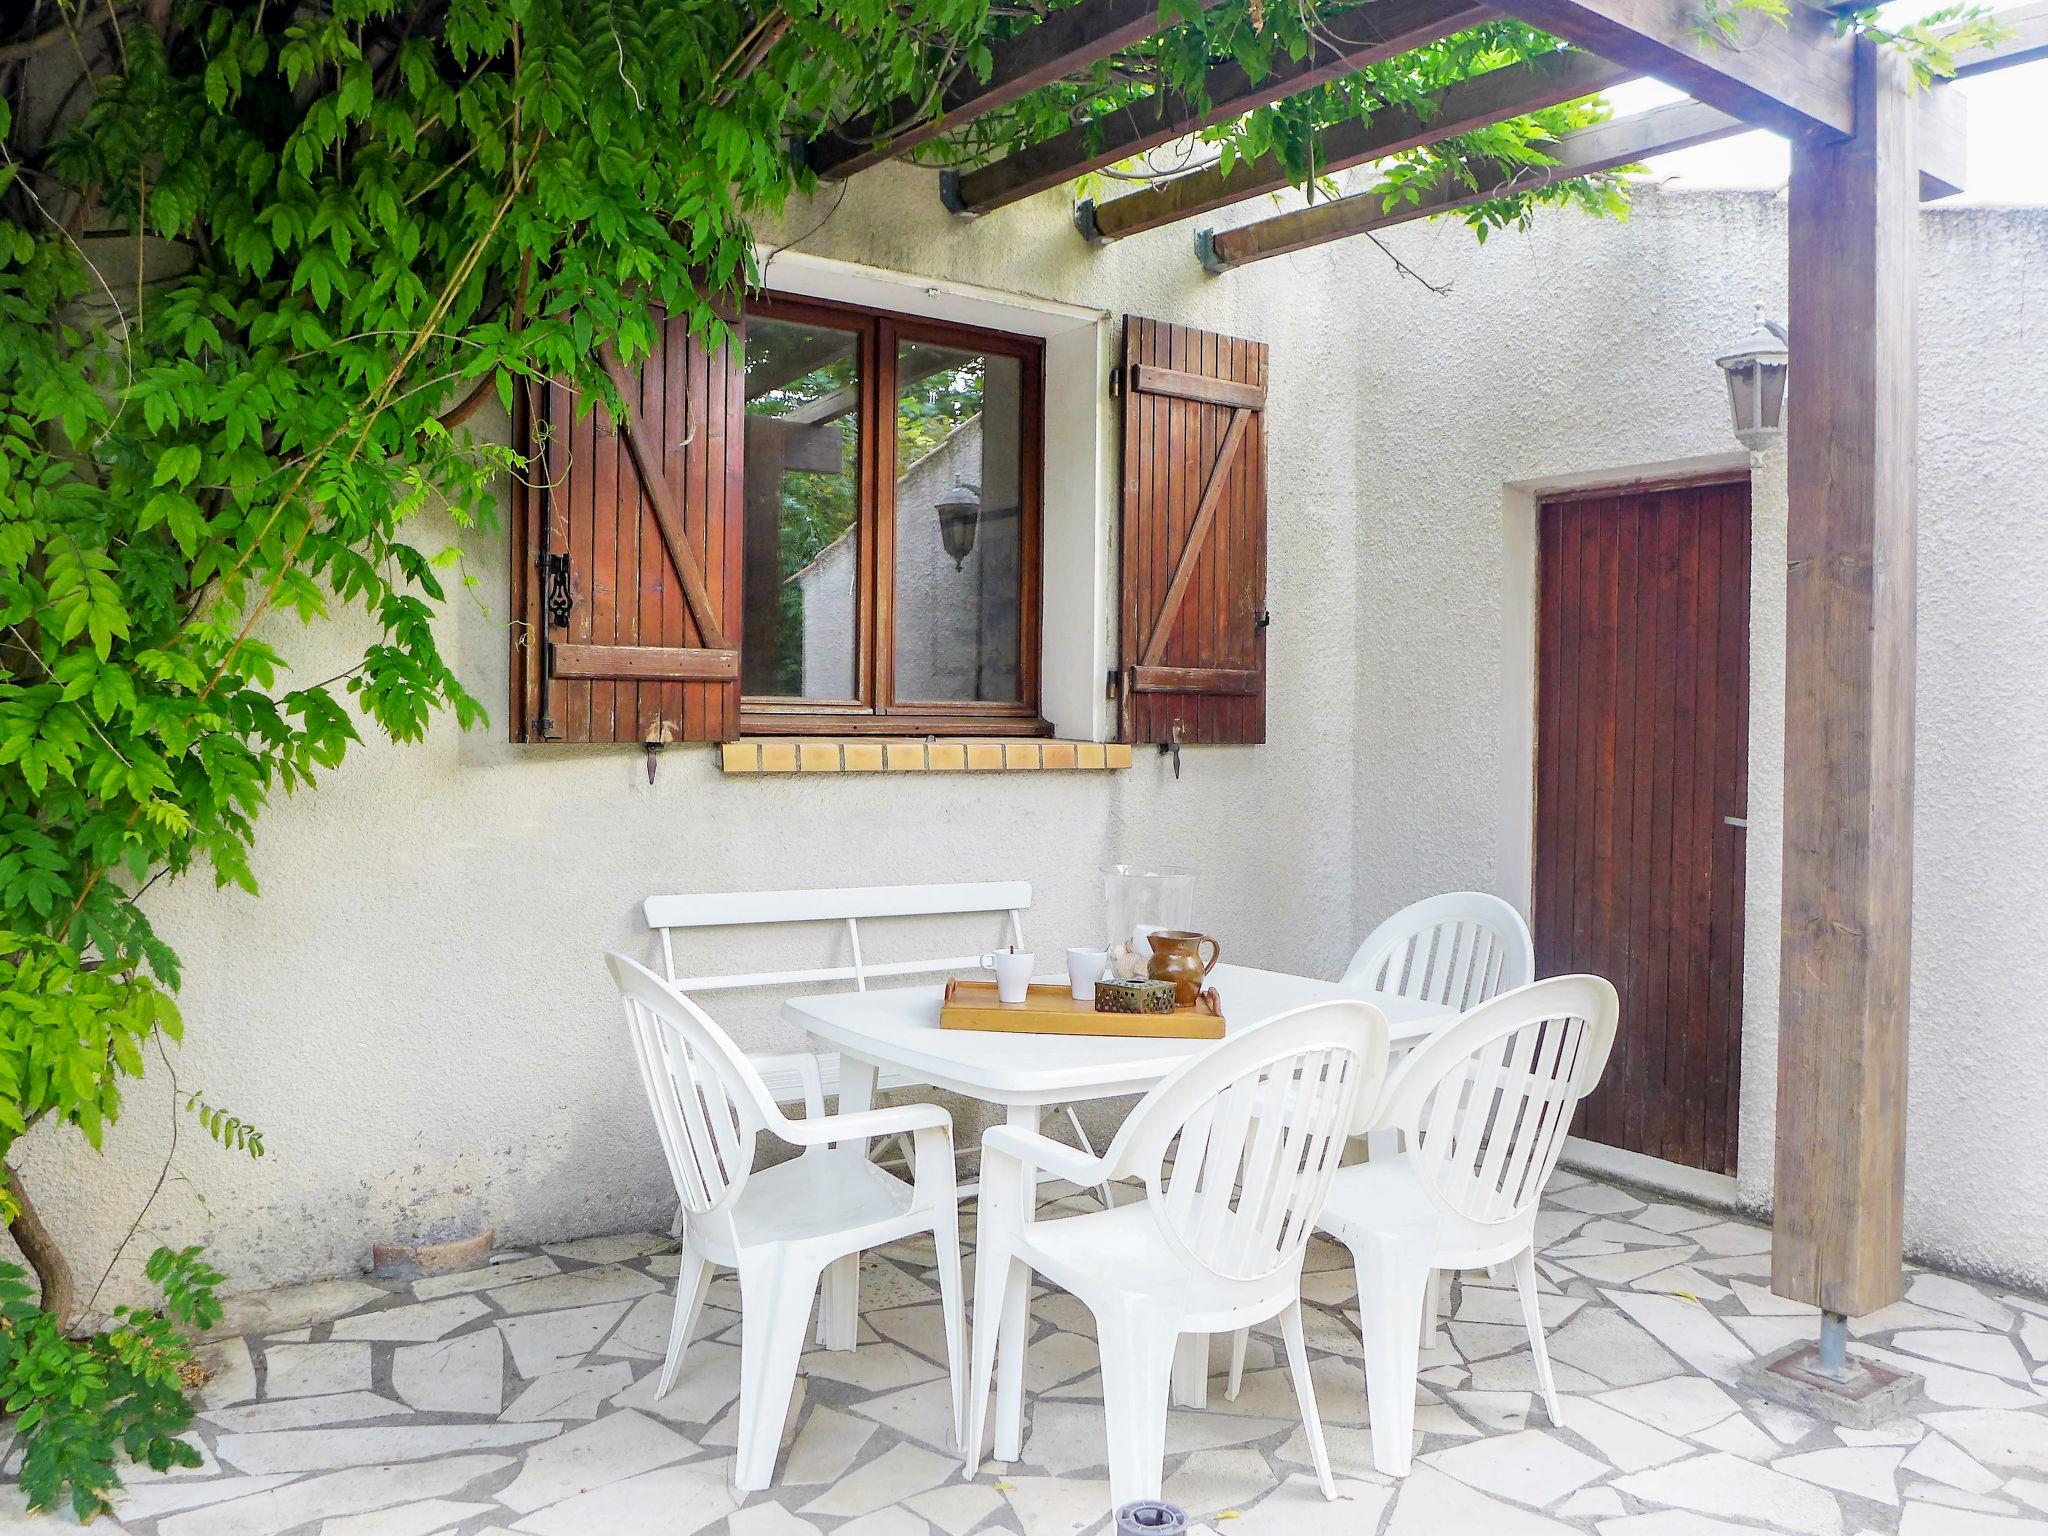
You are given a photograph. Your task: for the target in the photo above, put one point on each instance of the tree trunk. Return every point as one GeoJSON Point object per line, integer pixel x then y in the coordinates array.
{"type": "Point", "coordinates": [40, 1248]}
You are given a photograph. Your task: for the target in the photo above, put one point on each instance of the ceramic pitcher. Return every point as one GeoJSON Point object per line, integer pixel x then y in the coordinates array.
{"type": "Point", "coordinates": [1177, 957]}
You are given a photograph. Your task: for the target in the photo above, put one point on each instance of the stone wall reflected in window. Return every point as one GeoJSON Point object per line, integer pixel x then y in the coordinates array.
{"type": "Point", "coordinates": [959, 416]}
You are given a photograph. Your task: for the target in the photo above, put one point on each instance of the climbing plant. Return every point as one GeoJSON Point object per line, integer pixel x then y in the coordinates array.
{"type": "Point", "coordinates": [261, 261]}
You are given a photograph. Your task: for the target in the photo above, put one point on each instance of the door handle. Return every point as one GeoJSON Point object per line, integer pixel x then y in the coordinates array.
{"type": "Point", "coordinates": [1737, 821]}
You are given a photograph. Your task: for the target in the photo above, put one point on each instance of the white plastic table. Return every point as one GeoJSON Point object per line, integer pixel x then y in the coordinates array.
{"type": "Point", "coordinates": [897, 1029]}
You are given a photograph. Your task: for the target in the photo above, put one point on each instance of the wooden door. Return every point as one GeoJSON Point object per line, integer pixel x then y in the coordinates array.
{"type": "Point", "coordinates": [1642, 744]}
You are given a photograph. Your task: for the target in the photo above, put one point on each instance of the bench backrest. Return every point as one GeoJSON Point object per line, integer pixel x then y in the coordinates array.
{"type": "Point", "coordinates": [848, 906]}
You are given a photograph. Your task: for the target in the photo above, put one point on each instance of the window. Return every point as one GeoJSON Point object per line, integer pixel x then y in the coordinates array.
{"type": "Point", "coordinates": [892, 488]}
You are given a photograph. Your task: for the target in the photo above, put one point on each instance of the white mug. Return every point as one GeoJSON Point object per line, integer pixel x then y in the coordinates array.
{"type": "Point", "coordinates": [1013, 973]}
{"type": "Point", "coordinates": [1085, 967]}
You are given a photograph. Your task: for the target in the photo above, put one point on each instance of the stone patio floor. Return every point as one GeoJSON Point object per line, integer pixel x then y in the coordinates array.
{"type": "Point", "coordinates": [517, 1398]}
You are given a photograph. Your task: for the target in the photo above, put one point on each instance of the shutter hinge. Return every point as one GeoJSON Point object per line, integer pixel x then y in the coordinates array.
{"type": "Point", "coordinates": [1263, 619]}
{"type": "Point", "coordinates": [559, 600]}
{"type": "Point", "coordinates": [1110, 691]}
{"type": "Point", "coordinates": [1116, 383]}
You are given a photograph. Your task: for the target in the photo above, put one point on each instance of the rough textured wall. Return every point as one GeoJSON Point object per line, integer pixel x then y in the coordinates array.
{"type": "Point", "coordinates": [1586, 347]}
{"type": "Point", "coordinates": [414, 1009]}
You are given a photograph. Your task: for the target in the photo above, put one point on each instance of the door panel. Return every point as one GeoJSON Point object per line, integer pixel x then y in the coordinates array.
{"type": "Point", "coordinates": [1642, 744]}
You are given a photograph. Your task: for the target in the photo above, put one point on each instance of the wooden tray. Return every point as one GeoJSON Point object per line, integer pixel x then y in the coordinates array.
{"type": "Point", "coordinates": [1050, 1008]}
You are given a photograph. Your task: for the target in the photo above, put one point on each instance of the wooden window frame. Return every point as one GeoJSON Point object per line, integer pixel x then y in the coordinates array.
{"type": "Point", "coordinates": [876, 710]}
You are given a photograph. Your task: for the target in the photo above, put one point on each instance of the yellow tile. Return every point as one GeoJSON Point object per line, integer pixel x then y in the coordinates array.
{"type": "Point", "coordinates": [984, 754]}
{"type": "Point", "coordinates": [905, 756]}
{"type": "Point", "coordinates": [740, 757]}
{"type": "Point", "coordinates": [863, 757]}
{"type": "Point", "coordinates": [1021, 754]}
{"type": "Point", "coordinates": [1119, 754]}
{"type": "Point", "coordinates": [947, 757]}
{"type": "Point", "coordinates": [1089, 754]}
{"type": "Point", "coordinates": [1058, 754]}
{"type": "Point", "coordinates": [818, 757]}
{"type": "Point", "coordinates": [778, 757]}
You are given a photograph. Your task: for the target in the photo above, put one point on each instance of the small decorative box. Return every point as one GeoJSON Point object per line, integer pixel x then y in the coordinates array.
{"type": "Point", "coordinates": [1134, 997]}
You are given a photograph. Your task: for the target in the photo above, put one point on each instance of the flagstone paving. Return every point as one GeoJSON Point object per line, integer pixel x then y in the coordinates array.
{"type": "Point", "coordinates": [517, 1400]}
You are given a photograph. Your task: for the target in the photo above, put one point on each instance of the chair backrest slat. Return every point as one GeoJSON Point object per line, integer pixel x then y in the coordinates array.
{"type": "Point", "coordinates": [1486, 1102]}
{"type": "Point", "coordinates": [1238, 1146]}
{"type": "Point", "coordinates": [709, 1103]}
{"type": "Point", "coordinates": [1457, 950]}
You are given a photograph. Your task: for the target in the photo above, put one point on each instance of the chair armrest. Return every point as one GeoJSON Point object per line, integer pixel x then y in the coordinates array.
{"type": "Point", "coordinates": [805, 1066]}
{"type": "Point", "coordinates": [1045, 1154]}
{"type": "Point", "coordinates": [901, 1119]}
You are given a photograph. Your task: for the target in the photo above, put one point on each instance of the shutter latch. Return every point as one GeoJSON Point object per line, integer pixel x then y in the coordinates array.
{"type": "Point", "coordinates": [559, 601]}
{"type": "Point", "coordinates": [1263, 619]}
{"type": "Point", "coordinates": [1172, 744]}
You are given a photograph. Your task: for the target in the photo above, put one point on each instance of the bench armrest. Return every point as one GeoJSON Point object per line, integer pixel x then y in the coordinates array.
{"type": "Point", "coordinates": [805, 1066]}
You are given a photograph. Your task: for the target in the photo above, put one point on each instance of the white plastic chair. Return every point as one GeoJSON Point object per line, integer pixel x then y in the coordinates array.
{"type": "Point", "coordinates": [1482, 1107]}
{"type": "Point", "coordinates": [1458, 950]}
{"type": "Point", "coordinates": [783, 1226]}
{"type": "Point", "coordinates": [1236, 1150]}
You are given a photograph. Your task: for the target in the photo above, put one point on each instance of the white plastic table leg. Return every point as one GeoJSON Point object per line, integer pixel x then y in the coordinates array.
{"type": "Point", "coordinates": [1191, 1371]}
{"type": "Point", "coordinates": [839, 1289]}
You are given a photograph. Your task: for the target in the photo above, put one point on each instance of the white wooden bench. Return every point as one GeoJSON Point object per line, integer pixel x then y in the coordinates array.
{"type": "Point", "coordinates": [846, 908]}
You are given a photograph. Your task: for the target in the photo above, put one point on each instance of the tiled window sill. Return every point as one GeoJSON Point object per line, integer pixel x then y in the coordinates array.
{"type": "Point", "coordinates": [938, 755]}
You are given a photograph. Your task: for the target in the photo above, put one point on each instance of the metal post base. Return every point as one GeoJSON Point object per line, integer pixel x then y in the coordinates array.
{"type": "Point", "coordinates": [1823, 1379]}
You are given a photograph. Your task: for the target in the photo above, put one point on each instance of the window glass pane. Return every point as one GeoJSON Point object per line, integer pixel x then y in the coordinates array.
{"type": "Point", "coordinates": [803, 510]}
{"type": "Point", "coordinates": [959, 478]}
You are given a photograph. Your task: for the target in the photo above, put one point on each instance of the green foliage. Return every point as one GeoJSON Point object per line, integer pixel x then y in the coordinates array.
{"type": "Point", "coordinates": [231, 1131]}
{"type": "Point", "coordinates": [381, 210]}
{"type": "Point", "coordinates": [377, 214]}
{"type": "Point", "coordinates": [1931, 43]}
{"type": "Point", "coordinates": [82, 1406]}
{"type": "Point", "coordinates": [1292, 129]}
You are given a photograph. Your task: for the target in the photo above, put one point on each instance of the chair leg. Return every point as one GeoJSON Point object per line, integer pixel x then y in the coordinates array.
{"type": "Point", "coordinates": [998, 1281]}
{"type": "Point", "coordinates": [839, 1304]}
{"type": "Point", "coordinates": [1391, 1286]}
{"type": "Point", "coordinates": [693, 1279]}
{"type": "Point", "coordinates": [1013, 1324]}
{"type": "Point", "coordinates": [1137, 1371]}
{"type": "Point", "coordinates": [1237, 1344]}
{"type": "Point", "coordinates": [1532, 1316]}
{"type": "Point", "coordinates": [1305, 1395]}
{"type": "Point", "coordinates": [946, 1240]}
{"type": "Point", "coordinates": [1433, 1310]}
{"type": "Point", "coordinates": [775, 1304]}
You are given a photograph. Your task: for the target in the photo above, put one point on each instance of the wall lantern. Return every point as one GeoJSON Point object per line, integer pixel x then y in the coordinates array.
{"type": "Point", "coordinates": [959, 513]}
{"type": "Point", "coordinates": [1756, 384]}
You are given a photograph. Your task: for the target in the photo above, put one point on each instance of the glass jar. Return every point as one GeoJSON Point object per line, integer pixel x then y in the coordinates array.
{"type": "Point", "coordinates": [1139, 901]}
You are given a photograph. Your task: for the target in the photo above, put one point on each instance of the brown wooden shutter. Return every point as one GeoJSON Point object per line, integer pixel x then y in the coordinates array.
{"type": "Point", "coordinates": [632, 556]}
{"type": "Point", "coordinates": [1194, 535]}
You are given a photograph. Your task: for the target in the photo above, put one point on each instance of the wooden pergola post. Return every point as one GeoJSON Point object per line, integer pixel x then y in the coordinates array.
{"type": "Point", "coordinates": [1848, 871]}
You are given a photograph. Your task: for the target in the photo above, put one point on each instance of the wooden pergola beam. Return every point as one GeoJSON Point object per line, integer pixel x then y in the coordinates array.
{"type": "Point", "coordinates": [1794, 79]}
{"type": "Point", "coordinates": [1798, 79]}
{"type": "Point", "coordinates": [2029, 41]}
{"type": "Point", "coordinates": [1342, 45]}
{"type": "Point", "coordinates": [1601, 148]}
{"type": "Point", "coordinates": [1845, 958]}
{"type": "Point", "coordinates": [1064, 43]}
{"type": "Point", "coordinates": [1510, 91]}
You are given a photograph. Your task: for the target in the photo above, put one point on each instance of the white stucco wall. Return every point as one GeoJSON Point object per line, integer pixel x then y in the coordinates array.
{"type": "Point", "coordinates": [414, 1009]}
{"type": "Point", "coordinates": [1581, 351]}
